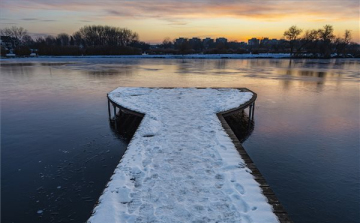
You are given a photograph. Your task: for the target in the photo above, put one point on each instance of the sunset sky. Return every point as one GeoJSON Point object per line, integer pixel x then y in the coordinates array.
{"type": "Point", "coordinates": [154, 20]}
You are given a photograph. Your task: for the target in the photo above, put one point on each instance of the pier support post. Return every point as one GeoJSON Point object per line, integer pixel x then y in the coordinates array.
{"type": "Point", "coordinates": [253, 111]}
{"type": "Point", "coordinates": [115, 117]}
{"type": "Point", "coordinates": [109, 109]}
{"type": "Point", "coordinates": [250, 113]}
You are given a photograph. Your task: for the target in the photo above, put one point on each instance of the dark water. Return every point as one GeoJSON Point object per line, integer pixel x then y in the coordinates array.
{"type": "Point", "coordinates": [58, 150]}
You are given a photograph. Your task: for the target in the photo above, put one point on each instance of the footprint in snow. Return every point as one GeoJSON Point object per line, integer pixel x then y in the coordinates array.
{"type": "Point", "coordinates": [239, 188]}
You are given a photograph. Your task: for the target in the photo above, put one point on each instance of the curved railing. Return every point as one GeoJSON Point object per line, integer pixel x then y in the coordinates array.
{"type": "Point", "coordinates": [250, 104]}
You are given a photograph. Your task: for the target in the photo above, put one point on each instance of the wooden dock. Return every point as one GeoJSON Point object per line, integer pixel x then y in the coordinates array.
{"type": "Point", "coordinates": [127, 120]}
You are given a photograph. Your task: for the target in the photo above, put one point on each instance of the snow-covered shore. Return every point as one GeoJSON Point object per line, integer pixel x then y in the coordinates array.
{"type": "Point", "coordinates": [187, 56]}
{"type": "Point", "coordinates": [181, 166]}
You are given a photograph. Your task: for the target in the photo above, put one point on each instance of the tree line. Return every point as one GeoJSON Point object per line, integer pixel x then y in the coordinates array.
{"type": "Point", "coordinates": [88, 40]}
{"type": "Point", "coordinates": [107, 40]}
{"type": "Point", "coordinates": [316, 43]}
{"type": "Point", "coordinates": [320, 43]}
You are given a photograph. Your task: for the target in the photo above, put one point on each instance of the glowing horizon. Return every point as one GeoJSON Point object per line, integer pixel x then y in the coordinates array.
{"type": "Point", "coordinates": [158, 19]}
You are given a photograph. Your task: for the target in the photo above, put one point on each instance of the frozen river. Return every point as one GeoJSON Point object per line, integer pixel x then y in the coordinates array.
{"type": "Point", "coordinates": [58, 150]}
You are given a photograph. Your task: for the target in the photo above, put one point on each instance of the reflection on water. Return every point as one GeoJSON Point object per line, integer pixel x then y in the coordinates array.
{"type": "Point", "coordinates": [241, 125]}
{"type": "Point", "coordinates": [58, 150]}
{"type": "Point", "coordinates": [126, 125]}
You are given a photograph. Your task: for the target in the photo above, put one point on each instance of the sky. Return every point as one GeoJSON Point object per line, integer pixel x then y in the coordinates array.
{"type": "Point", "coordinates": [154, 20]}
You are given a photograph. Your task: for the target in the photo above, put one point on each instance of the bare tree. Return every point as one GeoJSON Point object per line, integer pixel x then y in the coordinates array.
{"type": "Point", "coordinates": [106, 35]}
{"type": "Point", "coordinates": [27, 40]}
{"type": "Point", "coordinates": [309, 38]}
{"type": "Point", "coordinates": [17, 33]}
{"type": "Point", "coordinates": [126, 37]}
{"type": "Point", "coordinates": [6, 32]}
{"type": "Point", "coordinates": [78, 41]}
{"type": "Point", "coordinates": [292, 35]}
{"type": "Point", "coordinates": [167, 43]}
{"type": "Point", "coordinates": [347, 36]}
{"type": "Point", "coordinates": [341, 44]}
{"type": "Point", "coordinates": [50, 40]}
{"type": "Point", "coordinates": [63, 39]}
{"type": "Point", "coordinates": [326, 36]}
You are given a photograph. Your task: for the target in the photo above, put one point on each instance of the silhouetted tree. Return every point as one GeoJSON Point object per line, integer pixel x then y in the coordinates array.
{"type": "Point", "coordinates": [28, 41]}
{"type": "Point", "coordinates": [72, 41]}
{"type": "Point", "coordinates": [105, 35]}
{"type": "Point", "coordinates": [16, 33]}
{"type": "Point", "coordinates": [341, 44]}
{"type": "Point", "coordinates": [63, 39]}
{"type": "Point", "coordinates": [167, 43]}
{"type": "Point", "coordinates": [22, 51]}
{"type": "Point", "coordinates": [292, 35]}
{"type": "Point", "coordinates": [141, 45]}
{"type": "Point", "coordinates": [326, 36]}
{"type": "Point", "coordinates": [78, 41]}
{"type": "Point", "coordinates": [50, 40]}
{"type": "Point", "coordinates": [127, 37]}
{"type": "Point", "coordinates": [308, 41]}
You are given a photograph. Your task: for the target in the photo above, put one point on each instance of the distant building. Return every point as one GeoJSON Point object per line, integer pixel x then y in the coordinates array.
{"type": "Point", "coordinates": [274, 42]}
{"type": "Point", "coordinates": [195, 44]}
{"type": "Point", "coordinates": [282, 41]}
{"type": "Point", "coordinates": [195, 41]}
{"type": "Point", "coordinates": [253, 42]}
{"type": "Point", "coordinates": [221, 40]}
{"type": "Point", "coordinates": [243, 44]}
{"type": "Point", "coordinates": [208, 42]}
{"type": "Point", "coordinates": [265, 41]}
{"type": "Point", "coordinates": [179, 41]}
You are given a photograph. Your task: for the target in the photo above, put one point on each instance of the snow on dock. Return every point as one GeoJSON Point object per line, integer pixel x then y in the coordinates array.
{"type": "Point", "coordinates": [180, 165]}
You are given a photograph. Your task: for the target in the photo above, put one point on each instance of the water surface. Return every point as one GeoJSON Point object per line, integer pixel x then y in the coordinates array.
{"type": "Point", "coordinates": [58, 150]}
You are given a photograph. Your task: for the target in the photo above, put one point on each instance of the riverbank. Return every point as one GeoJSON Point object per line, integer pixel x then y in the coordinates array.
{"type": "Point", "coordinates": [187, 56]}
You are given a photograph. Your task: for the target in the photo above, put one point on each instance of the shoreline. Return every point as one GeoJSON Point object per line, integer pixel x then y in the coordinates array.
{"type": "Point", "coordinates": [188, 56]}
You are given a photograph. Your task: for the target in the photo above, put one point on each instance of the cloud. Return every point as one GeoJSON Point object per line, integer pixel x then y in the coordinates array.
{"type": "Point", "coordinates": [9, 23]}
{"type": "Point", "coordinates": [167, 9]}
{"type": "Point", "coordinates": [39, 20]}
{"type": "Point", "coordinates": [119, 13]}
{"type": "Point", "coordinates": [29, 19]}
{"type": "Point", "coordinates": [178, 23]}
{"type": "Point", "coordinates": [177, 13]}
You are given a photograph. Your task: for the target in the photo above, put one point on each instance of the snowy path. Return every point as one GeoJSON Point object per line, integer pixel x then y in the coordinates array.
{"type": "Point", "coordinates": [181, 166]}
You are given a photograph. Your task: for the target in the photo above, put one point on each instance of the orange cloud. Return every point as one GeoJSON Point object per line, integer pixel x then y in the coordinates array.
{"type": "Point", "coordinates": [255, 9]}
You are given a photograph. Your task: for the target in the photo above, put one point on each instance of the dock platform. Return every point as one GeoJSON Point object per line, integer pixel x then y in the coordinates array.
{"type": "Point", "coordinates": [184, 164]}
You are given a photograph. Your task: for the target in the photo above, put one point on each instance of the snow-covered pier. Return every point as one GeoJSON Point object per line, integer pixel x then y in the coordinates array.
{"type": "Point", "coordinates": [183, 163]}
